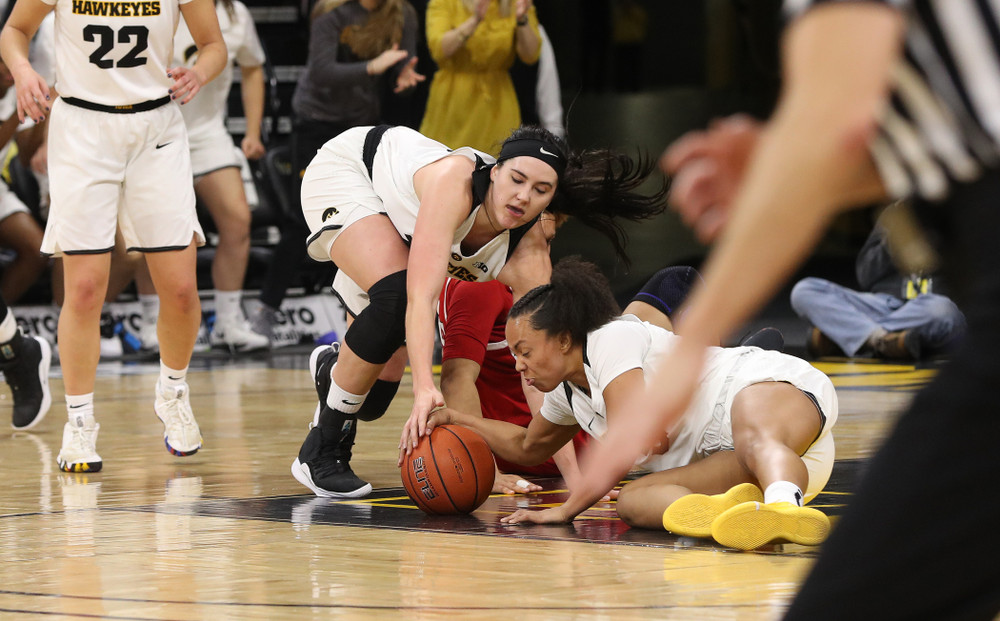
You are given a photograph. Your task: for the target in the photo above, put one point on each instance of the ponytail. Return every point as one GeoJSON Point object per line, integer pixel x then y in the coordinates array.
{"type": "Point", "coordinates": [600, 187]}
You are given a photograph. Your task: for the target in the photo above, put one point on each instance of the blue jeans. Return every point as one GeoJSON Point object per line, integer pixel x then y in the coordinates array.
{"type": "Point", "coordinates": [849, 317]}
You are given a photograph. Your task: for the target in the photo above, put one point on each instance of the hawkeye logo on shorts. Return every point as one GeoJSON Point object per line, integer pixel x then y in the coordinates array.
{"type": "Point", "coordinates": [329, 213]}
{"type": "Point", "coordinates": [143, 8]}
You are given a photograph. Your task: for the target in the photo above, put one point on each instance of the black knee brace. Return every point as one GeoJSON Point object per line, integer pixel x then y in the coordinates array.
{"type": "Point", "coordinates": [668, 288]}
{"type": "Point", "coordinates": [380, 329]}
{"type": "Point", "coordinates": [378, 400]}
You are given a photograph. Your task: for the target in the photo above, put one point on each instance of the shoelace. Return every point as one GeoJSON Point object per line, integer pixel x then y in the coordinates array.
{"type": "Point", "coordinates": [179, 414]}
{"type": "Point", "coordinates": [329, 462]}
{"type": "Point", "coordinates": [333, 458]}
{"type": "Point", "coordinates": [80, 440]}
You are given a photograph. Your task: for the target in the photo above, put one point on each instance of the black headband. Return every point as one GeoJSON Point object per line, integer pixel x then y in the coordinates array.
{"type": "Point", "coordinates": [538, 149]}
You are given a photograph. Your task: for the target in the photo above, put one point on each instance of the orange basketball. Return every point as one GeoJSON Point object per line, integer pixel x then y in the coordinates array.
{"type": "Point", "coordinates": [450, 471]}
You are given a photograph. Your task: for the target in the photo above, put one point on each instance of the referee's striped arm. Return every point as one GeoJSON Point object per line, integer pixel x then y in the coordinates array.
{"type": "Point", "coordinates": [943, 124]}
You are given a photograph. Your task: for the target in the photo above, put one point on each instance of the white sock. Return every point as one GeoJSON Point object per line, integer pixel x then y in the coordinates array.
{"type": "Point", "coordinates": [8, 327]}
{"type": "Point", "coordinates": [80, 406]}
{"type": "Point", "coordinates": [172, 378]}
{"type": "Point", "coordinates": [150, 303]}
{"type": "Point", "coordinates": [341, 400]}
{"type": "Point", "coordinates": [227, 306]}
{"type": "Point", "coordinates": [783, 491]}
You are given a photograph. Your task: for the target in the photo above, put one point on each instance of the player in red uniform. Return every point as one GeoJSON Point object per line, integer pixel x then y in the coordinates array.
{"type": "Point", "coordinates": [477, 369]}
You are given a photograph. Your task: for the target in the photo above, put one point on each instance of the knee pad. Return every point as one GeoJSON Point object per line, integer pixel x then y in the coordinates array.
{"type": "Point", "coordinates": [380, 329]}
{"type": "Point", "coordinates": [668, 288]}
{"type": "Point", "coordinates": [378, 400]}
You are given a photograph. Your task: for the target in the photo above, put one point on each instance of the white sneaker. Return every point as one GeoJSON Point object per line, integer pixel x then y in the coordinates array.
{"type": "Point", "coordinates": [112, 347]}
{"type": "Point", "coordinates": [180, 430]}
{"type": "Point", "coordinates": [79, 452]}
{"type": "Point", "coordinates": [237, 337]}
{"type": "Point", "coordinates": [148, 338]}
{"type": "Point", "coordinates": [263, 320]}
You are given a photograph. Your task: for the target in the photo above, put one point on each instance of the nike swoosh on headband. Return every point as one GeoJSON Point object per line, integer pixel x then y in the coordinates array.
{"type": "Point", "coordinates": [542, 149]}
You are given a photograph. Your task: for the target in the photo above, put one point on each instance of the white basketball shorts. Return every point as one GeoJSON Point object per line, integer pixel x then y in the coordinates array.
{"type": "Point", "coordinates": [107, 170]}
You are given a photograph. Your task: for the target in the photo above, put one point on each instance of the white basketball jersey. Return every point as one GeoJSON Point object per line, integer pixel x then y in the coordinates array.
{"type": "Point", "coordinates": [240, 35]}
{"type": "Point", "coordinates": [401, 153]}
{"type": "Point", "coordinates": [114, 52]}
{"type": "Point", "coordinates": [622, 345]}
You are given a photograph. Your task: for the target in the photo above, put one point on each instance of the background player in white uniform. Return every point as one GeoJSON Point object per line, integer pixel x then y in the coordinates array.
{"type": "Point", "coordinates": [19, 231]}
{"type": "Point", "coordinates": [118, 156]}
{"type": "Point", "coordinates": [365, 198]}
{"type": "Point", "coordinates": [24, 361]}
{"type": "Point", "coordinates": [756, 412]}
{"type": "Point", "coordinates": [216, 165]}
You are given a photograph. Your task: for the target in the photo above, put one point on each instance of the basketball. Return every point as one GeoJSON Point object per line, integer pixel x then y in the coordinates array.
{"type": "Point", "coordinates": [451, 471]}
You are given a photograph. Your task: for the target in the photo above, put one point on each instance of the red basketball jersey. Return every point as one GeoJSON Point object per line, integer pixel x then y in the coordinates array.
{"type": "Point", "coordinates": [473, 318]}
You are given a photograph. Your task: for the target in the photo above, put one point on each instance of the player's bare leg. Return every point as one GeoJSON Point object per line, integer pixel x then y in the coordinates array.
{"type": "Point", "coordinates": [222, 192]}
{"type": "Point", "coordinates": [85, 285]}
{"type": "Point", "coordinates": [174, 276]}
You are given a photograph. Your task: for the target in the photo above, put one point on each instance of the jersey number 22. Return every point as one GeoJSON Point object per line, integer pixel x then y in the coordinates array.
{"type": "Point", "coordinates": [105, 36]}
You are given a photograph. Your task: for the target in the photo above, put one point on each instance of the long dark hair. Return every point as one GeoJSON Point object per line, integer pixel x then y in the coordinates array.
{"type": "Point", "coordinates": [578, 300]}
{"type": "Point", "coordinates": [600, 187]}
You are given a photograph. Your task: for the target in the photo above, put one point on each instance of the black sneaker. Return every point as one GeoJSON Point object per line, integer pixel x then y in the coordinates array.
{"type": "Point", "coordinates": [323, 464]}
{"type": "Point", "coordinates": [321, 363]}
{"type": "Point", "coordinates": [324, 467]}
{"type": "Point", "coordinates": [25, 364]}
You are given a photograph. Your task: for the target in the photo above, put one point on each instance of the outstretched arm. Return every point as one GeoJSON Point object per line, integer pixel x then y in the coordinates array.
{"type": "Point", "coordinates": [445, 191]}
{"type": "Point", "coordinates": [810, 161]}
{"type": "Point", "coordinates": [527, 446]}
{"type": "Point", "coordinates": [617, 395]}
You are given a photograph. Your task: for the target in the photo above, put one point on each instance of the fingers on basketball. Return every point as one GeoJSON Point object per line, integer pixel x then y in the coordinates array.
{"type": "Point", "coordinates": [451, 471]}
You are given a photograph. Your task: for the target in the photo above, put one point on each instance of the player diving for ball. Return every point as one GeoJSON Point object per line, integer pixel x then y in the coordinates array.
{"type": "Point", "coordinates": [399, 213]}
{"type": "Point", "coordinates": [761, 420]}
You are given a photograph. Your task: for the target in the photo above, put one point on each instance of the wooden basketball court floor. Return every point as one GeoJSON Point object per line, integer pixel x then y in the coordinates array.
{"type": "Point", "coordinates": [229, 534]}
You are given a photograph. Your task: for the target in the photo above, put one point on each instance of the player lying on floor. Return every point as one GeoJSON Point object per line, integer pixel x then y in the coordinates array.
{"type": "Point", "coordinates": [760, 420]}
{"type": "Point", "coordinates": [478, 374]}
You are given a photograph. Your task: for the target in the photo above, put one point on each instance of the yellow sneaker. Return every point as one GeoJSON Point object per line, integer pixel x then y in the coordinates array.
{"type": "Point", "coordinates": [692, 515]}
{"type": "Point", "coordinates": [752, 524]}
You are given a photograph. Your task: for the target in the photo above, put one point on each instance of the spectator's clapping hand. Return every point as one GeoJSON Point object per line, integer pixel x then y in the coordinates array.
{"type": "Point", "coordinates": [522, 7]}
{"type": "Point", "coordinates": [408, 77]}
{"type": "Point", "coordinates": [707, 168]}
{"type": "Point", "coordinates": [481, 7]}
{"type": "Point", "coordinates": [381, 63]}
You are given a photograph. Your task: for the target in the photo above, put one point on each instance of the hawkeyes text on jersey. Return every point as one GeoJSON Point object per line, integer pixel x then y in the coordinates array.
{"type": "Point", "coordinates": [144, 8]}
